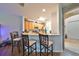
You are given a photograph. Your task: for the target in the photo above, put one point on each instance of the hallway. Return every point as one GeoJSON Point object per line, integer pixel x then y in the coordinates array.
{"type": "Point", "coordinates": [72, 45]}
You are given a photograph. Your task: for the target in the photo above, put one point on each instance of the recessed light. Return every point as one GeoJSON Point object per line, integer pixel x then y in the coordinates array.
{"type": "Point", "coordinates": [44, 10]}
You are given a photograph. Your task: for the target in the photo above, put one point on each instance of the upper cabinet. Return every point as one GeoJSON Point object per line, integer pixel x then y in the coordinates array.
{"type": "Point", "coordinates": [30, 25]}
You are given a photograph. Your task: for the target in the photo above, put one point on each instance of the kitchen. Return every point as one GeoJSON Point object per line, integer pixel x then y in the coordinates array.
{"type": "Point", "coordinates": [32, 19]}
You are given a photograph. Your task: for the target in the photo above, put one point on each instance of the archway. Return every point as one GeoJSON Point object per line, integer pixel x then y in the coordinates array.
{"type": "Point", "coordinates": [72, 33]}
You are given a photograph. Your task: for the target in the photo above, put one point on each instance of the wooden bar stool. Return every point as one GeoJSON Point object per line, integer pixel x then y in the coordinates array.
{"type": "Point", "coordinates": [29, 46]}
{"type": "Point", "coordinates": [45, 45]}
{"type": "Point", "coordinates": [16, 40]}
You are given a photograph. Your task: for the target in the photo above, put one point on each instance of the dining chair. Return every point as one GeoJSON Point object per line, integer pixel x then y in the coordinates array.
{"type": "Point", "coordinates": [15, 40]}
{"type": "Point", "coordinates": [29, 45]}
{"type": "Point", "coordinates": [46, 46]}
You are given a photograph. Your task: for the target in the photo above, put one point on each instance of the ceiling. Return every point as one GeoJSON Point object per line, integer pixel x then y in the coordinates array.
{"type": "Point", "coordinates": [70, 9]}
{"type": "Point", "coordinates": [34, 10]}
{"type": "Point", "coordinates": [31, 10]}
{"type": "Point", "coordinates": [69, 6]}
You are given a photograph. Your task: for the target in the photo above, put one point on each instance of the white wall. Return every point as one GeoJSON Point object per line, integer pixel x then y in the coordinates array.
{"type": "Point", "coordinates": [72, 27]}
{"type": "Point", "coordinates": [54, 24]}
{"type": "Point", "coordinates": [58, 30]}
{"type": "Point", "coordinates": [57, 43]}
{"type": "Point", "coordinates": [55, 21]}
{"type": "Point", "coordinates": [9, 23]}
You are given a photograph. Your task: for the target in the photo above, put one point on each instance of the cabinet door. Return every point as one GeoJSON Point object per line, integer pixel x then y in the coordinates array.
{"type": "Point", "coordinates": [27, 25]}
{"type": "Point", "coordinates": [32, 25]}
{"type": "Point", "coordinates": [41, 26]}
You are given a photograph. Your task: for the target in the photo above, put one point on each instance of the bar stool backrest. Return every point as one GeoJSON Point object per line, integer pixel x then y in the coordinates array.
{"type": "Point", "coordinates": [44, 40]}
{"type": "Point", "coordinates": [25, 40]}
{"type": "Point", "coordinates": [14, 35]}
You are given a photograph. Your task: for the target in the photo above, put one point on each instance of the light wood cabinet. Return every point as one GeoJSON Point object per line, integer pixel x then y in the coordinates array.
{"type": "Point", "coordinates": [29, 25]}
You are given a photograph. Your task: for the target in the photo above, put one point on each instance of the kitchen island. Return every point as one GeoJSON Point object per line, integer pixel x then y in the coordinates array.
{"type": "Point", "coordinates": [55, 38]}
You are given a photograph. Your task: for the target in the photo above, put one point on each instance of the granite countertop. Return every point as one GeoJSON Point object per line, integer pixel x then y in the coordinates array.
{"type": "Point", "coordinates": [33, 33]}
{"type": "Point", "coordinates": [30, 33]}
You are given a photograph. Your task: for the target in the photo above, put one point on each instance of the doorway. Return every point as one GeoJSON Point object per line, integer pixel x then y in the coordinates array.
{"type": "Point", "coordinates": [71, 30]}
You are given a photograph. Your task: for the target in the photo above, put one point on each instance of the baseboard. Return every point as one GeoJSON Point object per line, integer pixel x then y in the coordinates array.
{"type": "Point", "coordinates": [58, 50]}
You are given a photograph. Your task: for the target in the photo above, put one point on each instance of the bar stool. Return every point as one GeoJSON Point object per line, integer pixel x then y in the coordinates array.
{"type": "Point", "coordinates": [29, 46]}
{"type": "Point", "coordinates": [16, 40]}
{"type": "Point", "coordinates": [45, 45]}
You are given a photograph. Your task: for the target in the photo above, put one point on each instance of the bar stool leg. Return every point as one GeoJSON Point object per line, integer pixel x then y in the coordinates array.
{"type": "Point", "coordinates": [47, 51]}
{"type": "Point", "coordinates": [40, 49]}
{"type": "Point", "coordinates": [23, 46]}
{"type": "Point", "coordinates": [28, 50]}
{"type": "Point", "coordinates": [19, 47]}
{"type": "Point", "coordinates": [12, 49]}
{"type": "Point", "coordinates": [52, 49]}
{"type": "Point", "coordinates": [35, 49]}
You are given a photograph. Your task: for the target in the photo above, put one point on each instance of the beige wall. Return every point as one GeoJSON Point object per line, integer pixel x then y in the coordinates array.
{"type": "Point", "coordinates": [55, 22]}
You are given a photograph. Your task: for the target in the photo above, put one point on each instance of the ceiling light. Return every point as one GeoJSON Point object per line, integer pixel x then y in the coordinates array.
{"type": "Point", "coordinates": [44, 10]}
{"type": "Point", "coordinates": [41, 19]}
